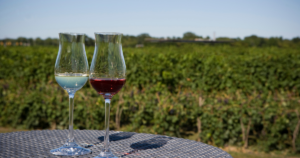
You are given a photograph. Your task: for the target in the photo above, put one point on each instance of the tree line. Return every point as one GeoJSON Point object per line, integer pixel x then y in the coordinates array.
{"type": "Point", "coordinates": [130, 40]}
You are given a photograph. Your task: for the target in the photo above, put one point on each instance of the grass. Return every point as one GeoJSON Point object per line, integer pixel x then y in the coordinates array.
{"type": "Point", "coordinates": [239, 152]}
{"type": "Point", "coordinates": [245, 155]}
{"type": "Point", "coordinates": [7, 130]}
{"type": "Point", "coordinates": [261, 155]}
{"type": "Point", "coordinates": [252, 152]}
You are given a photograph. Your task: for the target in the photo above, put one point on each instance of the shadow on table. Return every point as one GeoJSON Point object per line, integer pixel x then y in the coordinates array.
{"type": "Point", "coordinates": [118, 136]}
{"type": "Point", "coordinates": [152, 143]}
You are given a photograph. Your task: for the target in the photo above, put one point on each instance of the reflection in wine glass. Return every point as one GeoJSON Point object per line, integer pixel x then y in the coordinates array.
{"type": "Point", "coordinates": [107, 75]}
{"type": "Point", "coordinates": [71, 73]}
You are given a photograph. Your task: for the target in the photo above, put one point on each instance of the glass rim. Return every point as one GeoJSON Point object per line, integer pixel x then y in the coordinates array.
{"type": "Point", "coordinates": [108, 33]}
{"type": "Point", "coordinates": [70, 33]}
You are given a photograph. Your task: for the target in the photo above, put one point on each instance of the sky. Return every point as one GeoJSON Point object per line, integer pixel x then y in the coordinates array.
{"type": "Point", "coordinates": [159, 18]}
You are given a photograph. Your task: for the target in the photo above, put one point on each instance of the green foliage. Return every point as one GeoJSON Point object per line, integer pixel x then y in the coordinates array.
{"type": "Point", "coordinates": [217, 91]}
{"type": "Point", "coordinates": [190, 35]}
{"type": "Point", "coordinates": [140, 38]}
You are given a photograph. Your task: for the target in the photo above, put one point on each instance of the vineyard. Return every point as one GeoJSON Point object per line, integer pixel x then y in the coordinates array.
{"type": "Point", "coordinates": [228, 95]}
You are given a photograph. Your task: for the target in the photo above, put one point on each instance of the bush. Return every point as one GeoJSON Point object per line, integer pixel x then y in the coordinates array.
{"type": "Point", "coordinates": [228, 95]}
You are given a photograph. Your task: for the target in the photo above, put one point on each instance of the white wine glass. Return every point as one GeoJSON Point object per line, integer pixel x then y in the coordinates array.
{"type": "Point", "coordinates": [71, 73]}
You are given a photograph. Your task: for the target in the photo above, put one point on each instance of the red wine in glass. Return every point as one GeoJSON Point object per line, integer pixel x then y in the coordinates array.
{"type": "Point", "coordinates": [107, 87]}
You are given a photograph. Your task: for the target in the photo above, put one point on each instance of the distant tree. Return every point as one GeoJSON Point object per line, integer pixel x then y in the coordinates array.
{"type": "Point", "coordinates": [129, 41]}
{"type": "Point", "coordinates": [55, 41]}
{"type": "Point", "coordinates": [39, 42]}
{"type": "Point", "coordinates": [30, 41]}
{"type": "Point", "coordinates": [190, 35]}
{"type": "Point", "coordinates": [224, 39]}
{"type": "Point", "coordinates": [273, 41]}
{"type": "Point", "coordinates": [22, 39]}
{"type": "Point", "coordinates": [296, 39]}
{"type": "Point", "coordinates": [89, 41]}
{"type": "Point", "coordinates": [238, 39]}
{"type": "Point", "coordinates": [254, 40]}
{"type": "Point", "coordinates": [49, 42]}
{"type": "Point", "coordinates": [141, 37]}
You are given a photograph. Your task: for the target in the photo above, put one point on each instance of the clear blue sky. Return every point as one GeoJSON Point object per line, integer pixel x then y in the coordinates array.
{"type": "Point", "coordinates": [159, 18]}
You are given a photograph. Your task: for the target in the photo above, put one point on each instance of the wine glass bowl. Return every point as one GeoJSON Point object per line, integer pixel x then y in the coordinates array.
{"type": "Point", "coordinates": [71, 73]}
{"type": "Point", "coordinates": [107, 75]}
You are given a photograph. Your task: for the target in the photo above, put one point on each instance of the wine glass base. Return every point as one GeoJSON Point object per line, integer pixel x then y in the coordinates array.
{"type": "Point", "coordinates": [106, 154]}
{"type": "Point", "coordinates": [70, 149]}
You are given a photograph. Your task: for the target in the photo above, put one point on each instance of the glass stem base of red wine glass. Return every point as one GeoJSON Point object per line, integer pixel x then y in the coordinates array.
{"type": "Point", "coordinates": [105, 152]}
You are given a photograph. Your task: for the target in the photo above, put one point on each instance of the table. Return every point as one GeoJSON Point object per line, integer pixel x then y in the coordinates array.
{"type": "Point", "coordinates": [123, 144]}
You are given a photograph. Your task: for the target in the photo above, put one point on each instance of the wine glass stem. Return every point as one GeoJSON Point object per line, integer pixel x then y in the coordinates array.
{"type": "Point", "coordinates": [107, 114]}
{"type": "Point", "coordinates": [71, 109]}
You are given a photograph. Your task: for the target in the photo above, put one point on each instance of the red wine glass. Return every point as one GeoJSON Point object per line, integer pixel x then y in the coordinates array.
{"type": "Point", "coordinates": [107, 75]}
